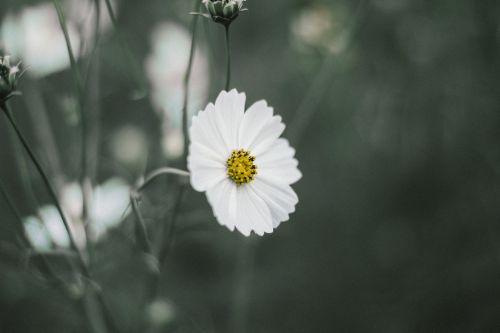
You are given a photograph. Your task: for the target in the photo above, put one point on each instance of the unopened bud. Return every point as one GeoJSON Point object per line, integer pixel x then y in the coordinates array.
{"type": "Point", "coordinates": [224, 11]}
{"type": "Point", "coordinates": [9, 76]}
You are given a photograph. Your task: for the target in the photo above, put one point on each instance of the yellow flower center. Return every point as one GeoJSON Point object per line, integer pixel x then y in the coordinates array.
{"type": "Point", "coordinates": [240, 166]}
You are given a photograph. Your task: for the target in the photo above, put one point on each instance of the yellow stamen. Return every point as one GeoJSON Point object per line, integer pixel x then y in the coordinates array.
{"type": "Point", "coordinates": [240, 166]}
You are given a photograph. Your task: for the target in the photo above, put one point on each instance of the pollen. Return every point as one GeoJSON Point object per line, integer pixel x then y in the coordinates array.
{"type": "Point", "coordinates": [241, 167]}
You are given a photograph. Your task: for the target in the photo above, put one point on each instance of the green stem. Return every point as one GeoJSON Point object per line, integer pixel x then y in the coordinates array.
{"type": "Point", "coordinates": [161, 172]}
{"type": "Point", "coordinates": [170, 232]}
{"type": "Point", "coordinates": [72, 59]}
{"type": "Point", "coordinates": [187, 77]}
{"type": "Point", "coordinates": [42, 174]}
{"type": "Point", "coordinates": [17, 215]}
{"type": "Point", "coordinates": [83, 266]}
{"type": "Point", "coordinates": [79, 92]}
{"type": "Point", "coordinates": [130, 58]}
{"type": "Point", "coordinates": [228, 51]}
{"type": "Point", "coordinates": [140, 225]}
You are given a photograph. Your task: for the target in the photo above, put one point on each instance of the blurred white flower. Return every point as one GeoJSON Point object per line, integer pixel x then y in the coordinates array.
{"type": "Point", "coordinates": [240, 161]}
{"type": "Point", "coordinates": [321, 26]}
{"type": "Point", "coordinates": [108, 204]}
{"type": "Point", "coordinates": [161, 312]}
{"type": "Point", "coordinates": [46, 230]}
{"type": "Point", "coordinates": [165, 67]}
{"type": "Point", "coordinates": [128, 145]}
{"type": "Point", "coordinates": [37, 233]}
{"type": "Point", "coordinates": [34, 34]}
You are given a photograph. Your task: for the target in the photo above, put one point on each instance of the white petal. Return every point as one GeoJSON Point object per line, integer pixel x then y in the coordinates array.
{"type": "Point", "coordinates": [255, 118]}
{"type": "Point", "coordinates": [267, 137]}
{"type": "Point", "coordinates": [229, 111]}
{"type": "Point", "coordinates": [280, 198]}
{"type": "Point", "coordinates": [279, 163]}
{"type": "Point", "coordinates": [205, 132]}
{"type": "Point", "coordinates": [259, 128]}
{"type": "Point", "coordinates": [253, 213]}
{"type": "Point", "coordinates": [222, 198]}
{"type": "Point", "coordinates": [240, 207]}
{"type": "Point", "coordinates": [203, 178]}
{"type": "Point", "coordinates": [203, 156]}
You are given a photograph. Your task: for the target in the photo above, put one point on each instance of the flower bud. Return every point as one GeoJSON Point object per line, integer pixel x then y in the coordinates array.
{"type": "Point", "coordinates": [224, 11]}
{"type": "Point", "coordinates": [9, 75]}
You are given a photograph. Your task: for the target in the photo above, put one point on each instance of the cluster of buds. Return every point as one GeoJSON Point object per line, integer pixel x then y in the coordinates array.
{"type": "Point", "coordinates": [224, 11]}
{"type": "Point", "coordinates": [9, 76]}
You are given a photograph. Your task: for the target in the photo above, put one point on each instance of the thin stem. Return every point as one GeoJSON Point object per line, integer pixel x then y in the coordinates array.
{"type": "Point", "coordinates": [167, 240]}
{"type": "Point", "coordinates": [140, 225]}
{"type": "Point", "coordinates": [44, 265]}
{"type": "Point", "coordinates": [130, 58]}
{"type": "Point", "coordinates": [83, 266]}
{"type": "Point", "coordinates": [17, 215]}
{"type": "Point", "coordinates": [42, 174]}
{"type": "Point", "coordinates": [72, 59]}
{"type": "Point", "coordinates": [161, 172]}
{"type": "Point", "coordinates": [228, 51]}
{"type": "Point", "coordinates": [85, 183]}
{"type": "Point", "coordinates": [23, 170]}
{"type": "Point", "coordinates": [170, 232]}
{"type": "Point", "coordinates": [187, 77]}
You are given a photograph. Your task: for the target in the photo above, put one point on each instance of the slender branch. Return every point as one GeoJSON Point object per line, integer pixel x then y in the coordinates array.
{"type": "Point", "coordinates": [166, 240]}
{"type": "Point", "coordinates": [17, 215]}
{"type": "Point", "coordinates": [161, 172]}
{"type": "Point", "coordinates": [140, 225]}
{"type": "Point", "coordinates": [42, 174]}
{"type": "Point", "coordinates": [130, 58]}
{"type": "Point", "coordinates": [228, 51]}
{"type": "Point", "coordinates": [45, 267]}
{"type": "Point", "coordinates": [79, 92]}
{"type": "Point", "coordinates": [170, 232]}
{"type": "Point", "coordinates": [187, 77]}
{"type": "Point", "coordinates": [72, 59]}
{"type": "Point", "coordinates": [83, 266]}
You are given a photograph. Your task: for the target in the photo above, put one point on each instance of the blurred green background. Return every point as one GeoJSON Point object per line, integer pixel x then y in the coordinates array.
{"type": "Point", "coordinates": [393, 107]}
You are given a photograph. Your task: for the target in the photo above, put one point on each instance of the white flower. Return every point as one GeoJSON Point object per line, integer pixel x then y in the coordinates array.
{"type": "Point", "coordinates": [33, 34]}
{"type": "Point", "coordinates": [106, 209]}
{"type": "Point", "coordinates": [165, 69]}
{"type": "Point", "coordinates": [240, 161]}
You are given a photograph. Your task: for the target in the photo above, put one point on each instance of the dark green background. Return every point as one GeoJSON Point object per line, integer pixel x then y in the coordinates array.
{"type": "Point", "coordinates": [398, 138]}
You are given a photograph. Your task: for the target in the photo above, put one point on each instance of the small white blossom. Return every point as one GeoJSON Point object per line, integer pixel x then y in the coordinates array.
{"type": "Point", "coordinates": [240, 161]}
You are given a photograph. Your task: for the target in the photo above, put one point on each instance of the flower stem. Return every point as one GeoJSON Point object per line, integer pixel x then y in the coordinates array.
{"type": "Point", "coordinates": [83, 266]}
{"type": "Point", "coordinates": [228, 51]}
{"type": "Point", "coordinates": [140, 227]}
{"type": "Point", "coordinates": [41, 172]}
{"type": "Point", "coordinates": [17, 215]}
{"type": "Point", "coordinates": [160, 172]}
{"type": "Point", "coordinates": [135, 71]}
{"type": "Point", "coordinates": [45, 267]}
{"type": "Point", "coordinates": [85, 182]}
{"type": "Point", "coordinates": [187, 77]}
